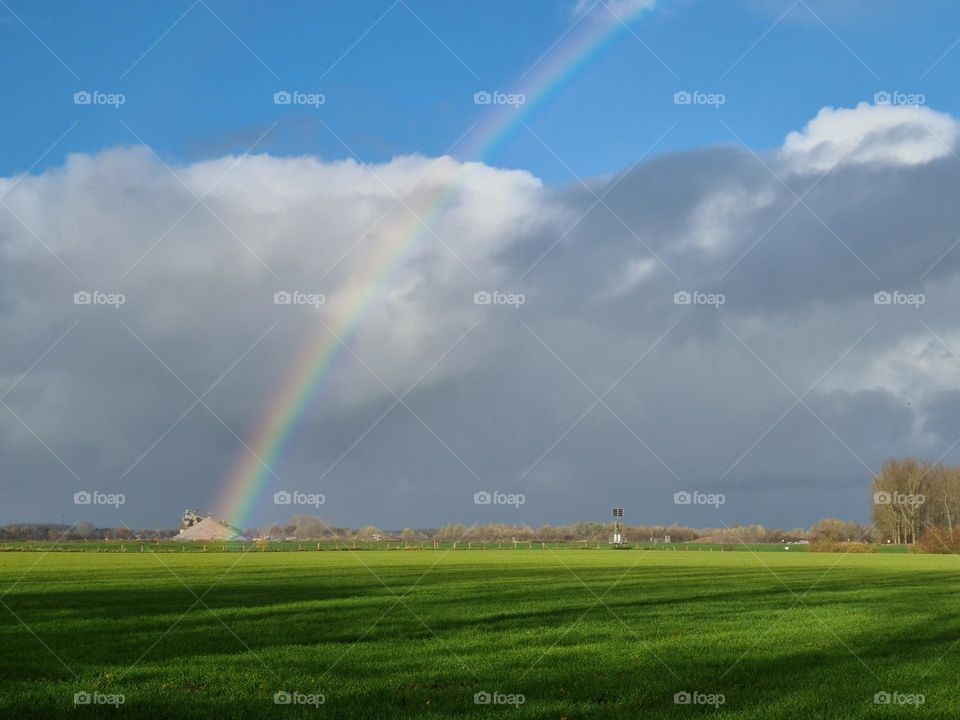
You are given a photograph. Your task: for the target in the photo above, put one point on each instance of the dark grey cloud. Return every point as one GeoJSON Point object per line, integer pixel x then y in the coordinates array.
{"type": "Point", "coordinates": [598, 389]}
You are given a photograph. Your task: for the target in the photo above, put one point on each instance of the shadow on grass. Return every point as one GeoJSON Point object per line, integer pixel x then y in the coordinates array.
{"type": "Point", "coordinates": [498, 623]}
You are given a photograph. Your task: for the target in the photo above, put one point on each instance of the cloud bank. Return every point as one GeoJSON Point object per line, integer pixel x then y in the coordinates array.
{"type": "Point", "coordinates": [709, 324]}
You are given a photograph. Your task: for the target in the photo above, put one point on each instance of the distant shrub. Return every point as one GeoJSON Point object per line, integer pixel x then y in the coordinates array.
{"type": "Point", "coordinates": [859, 547]}
{"type": "Point", "coordinates": [938, 540]}
{"type": "Point", "coordinates": [834, 546]}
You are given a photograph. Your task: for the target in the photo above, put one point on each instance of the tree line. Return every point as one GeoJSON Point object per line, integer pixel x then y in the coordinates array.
{"type": "Point", "coordinates": [913, 501]}
{"type": "Point", "coordinates": [915, 498]}
{"type": "Point", "coordinates": [307, 527]}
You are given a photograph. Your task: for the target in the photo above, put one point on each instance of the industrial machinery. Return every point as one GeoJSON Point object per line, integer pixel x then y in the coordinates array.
{"type": "Point", "coordinates": [191, 518]}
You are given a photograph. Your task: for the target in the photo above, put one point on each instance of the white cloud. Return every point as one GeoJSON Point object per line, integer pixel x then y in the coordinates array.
{"type": "Point", "coordinates": [915, 366]}
{"type": "Point", "coordinates": [882, 134]}
{"type": "Point", "coordinates": [635, 272]}
{"type": "Point", "coordinates": [718, 223]}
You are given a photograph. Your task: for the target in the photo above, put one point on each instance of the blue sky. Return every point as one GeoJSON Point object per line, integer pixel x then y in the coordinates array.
{"type": "Point", "coordinates": [199, 77]}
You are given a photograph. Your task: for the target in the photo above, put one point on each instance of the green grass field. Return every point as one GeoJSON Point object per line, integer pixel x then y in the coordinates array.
{"type": "Point", "coordinates": [582, 633]}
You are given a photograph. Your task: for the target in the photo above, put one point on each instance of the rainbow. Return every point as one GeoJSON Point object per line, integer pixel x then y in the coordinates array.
{"type": "Point", "coordinates": [243, 486]}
